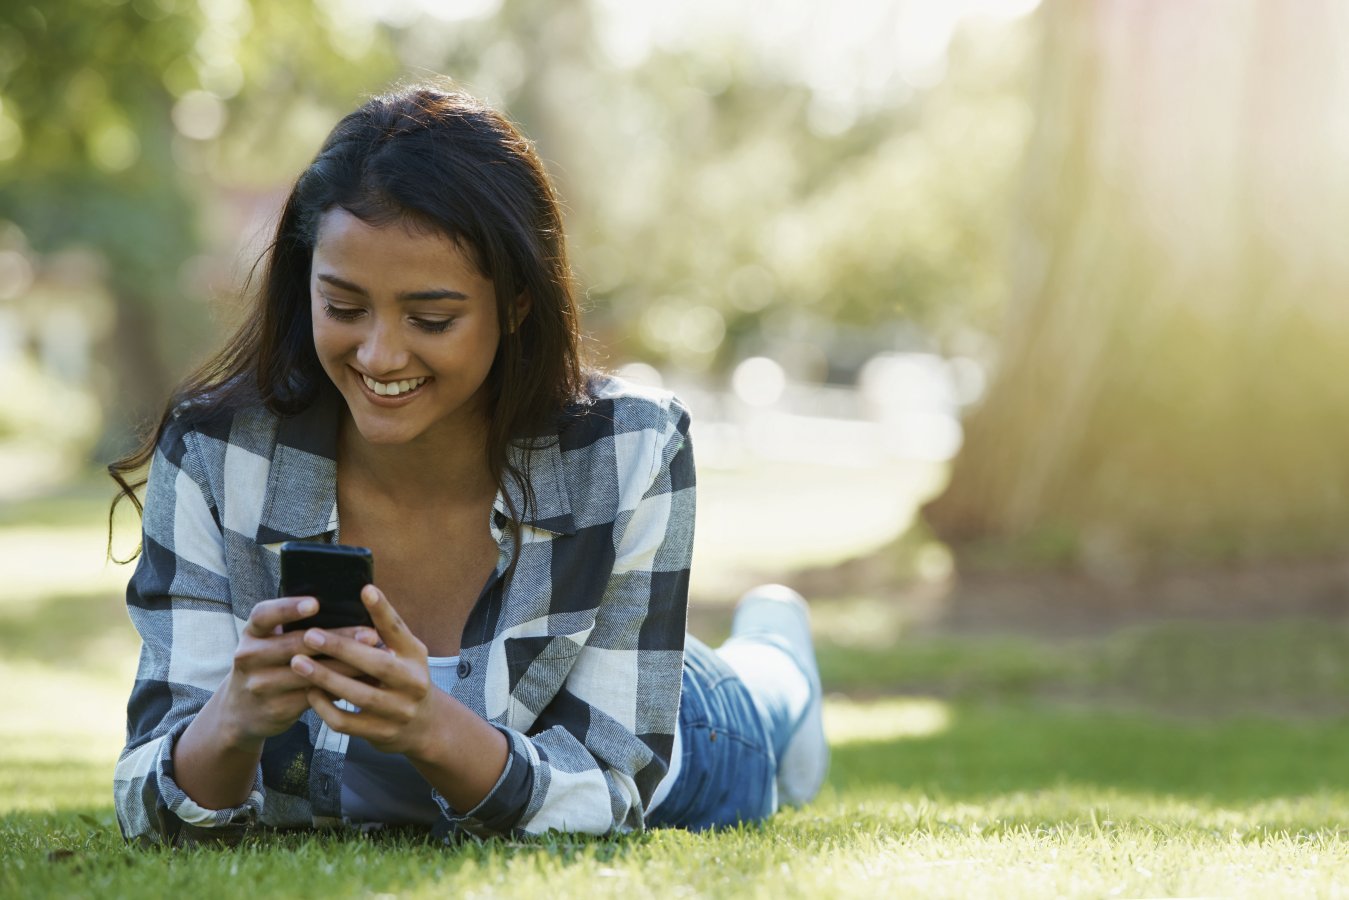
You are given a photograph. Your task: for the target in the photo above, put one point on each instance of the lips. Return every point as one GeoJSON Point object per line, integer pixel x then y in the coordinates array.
{"type": "Point", "coordinates": [393, 388]}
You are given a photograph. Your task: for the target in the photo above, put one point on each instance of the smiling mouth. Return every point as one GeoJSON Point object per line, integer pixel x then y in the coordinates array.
{"type": "Point", "coordinates": [393, 388]}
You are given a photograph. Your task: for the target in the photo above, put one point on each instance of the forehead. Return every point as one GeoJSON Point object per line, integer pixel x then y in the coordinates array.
{"type": "Point", "coordinates": [395, 253]}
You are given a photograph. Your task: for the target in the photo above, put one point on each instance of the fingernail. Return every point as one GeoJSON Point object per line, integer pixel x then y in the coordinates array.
{"type": "Point", "coordinates": [308, 606]}
{"type": "Point", "coordinates": [302, 665]}
{"type": "Point", "coordinates": [370, 595]}
{"type": "Point", "coordinates": [314, 638]}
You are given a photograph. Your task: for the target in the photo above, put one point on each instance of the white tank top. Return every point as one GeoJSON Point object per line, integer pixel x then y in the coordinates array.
{"type": "Point", "coordinates": [385, 787]}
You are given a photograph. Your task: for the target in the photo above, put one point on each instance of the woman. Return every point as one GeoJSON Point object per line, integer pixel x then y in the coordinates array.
{"type": "Point", "coordinates": [410, 381]}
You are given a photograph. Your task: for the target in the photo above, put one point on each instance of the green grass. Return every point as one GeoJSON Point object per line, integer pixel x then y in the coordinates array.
{"type": "Point", "coordinates": [997, 800]}
{"type": "Point", "coordinates": [965, 797]}
{"type": "Point", "coordinates": [81, 502]}
{"type": "Point", "coordinates": [1176, 760]}
{"type": "Point", "coordinates": [1283, 667]}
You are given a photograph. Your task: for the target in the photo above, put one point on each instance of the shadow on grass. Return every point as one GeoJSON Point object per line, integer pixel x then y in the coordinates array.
{"type": "Point", "coordinates": [81, 853]}
{"type": "Point", "coordinates": [992, 750]}
{"type": "Point", "coordinates": [64, 625]}
{"type": "Point", "coordinates": [1291, 666]}
{"type": "Point", "coordinates": [79, 502]}
{"type": "Point", "coordinates": [94, 829]}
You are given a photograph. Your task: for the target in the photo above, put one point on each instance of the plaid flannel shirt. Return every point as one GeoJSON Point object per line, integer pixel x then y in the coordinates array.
{"type": "Point", "coordinates": [577, 660]}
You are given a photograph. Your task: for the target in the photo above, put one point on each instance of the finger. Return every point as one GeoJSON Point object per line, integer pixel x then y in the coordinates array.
{"type": "Point", "coordinates": [361, 633]}
{"type": "Point", "coordinates": [280, 676]}
{"type": "Point", "coordinates": [269, 615]}
{"type": "Point", "coordinates": [274, 682]}
{"type": "Point", "coordinates": [363, 695]}
{"type": "Point", "coordinates": [341, 668]}
{"type": "Point", "coordinates": [269, 655]}
{"type": "Point", "coordinates": [337, 719]}
{"type": "Point", "coordinates": [390, 625]}
{"type": "Point", "coordinates": [369, 661]}
{"type": "Point", "coordinates": [271, 651]}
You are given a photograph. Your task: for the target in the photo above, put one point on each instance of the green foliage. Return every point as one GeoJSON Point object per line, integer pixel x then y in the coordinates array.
{"type": "Point", "coordinates": [718, 207]}
{"type": "Point", "coordinates": [114, 140]}
{"type": "Point", "coordinates": [90, 161]}
{"type": "Point", "coordinates": [711, 215]}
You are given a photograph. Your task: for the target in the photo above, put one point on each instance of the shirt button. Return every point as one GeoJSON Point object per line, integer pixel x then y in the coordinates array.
{"type": "Point", "coordinates": [464, 668]}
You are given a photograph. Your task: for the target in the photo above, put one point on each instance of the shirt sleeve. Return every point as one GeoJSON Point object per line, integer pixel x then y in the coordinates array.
{"type": "Point", "coordinates": [179, 602]}
{"type": "Point", "coordinates": [591, 761]}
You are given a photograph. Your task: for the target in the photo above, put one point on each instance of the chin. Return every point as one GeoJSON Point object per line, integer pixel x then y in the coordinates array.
{"type": "Point", "coordinates": [385, 437]}
{"type": "Point", "coordinates": [383, 433]}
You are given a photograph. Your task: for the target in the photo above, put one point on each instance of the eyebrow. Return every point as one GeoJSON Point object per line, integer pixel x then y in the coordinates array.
{"type": "Point", "coordinates": [436, 294]}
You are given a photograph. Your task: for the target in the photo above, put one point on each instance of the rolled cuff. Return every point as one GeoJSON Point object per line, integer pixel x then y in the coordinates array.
{"type": "Point", "coordinates": [500, 812]}
{"type": "Point", "coordinates": [180, 806]}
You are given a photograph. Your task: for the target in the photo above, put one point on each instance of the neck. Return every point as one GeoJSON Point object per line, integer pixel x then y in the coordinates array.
{"type": "Point", "coordinates": [425, 472]}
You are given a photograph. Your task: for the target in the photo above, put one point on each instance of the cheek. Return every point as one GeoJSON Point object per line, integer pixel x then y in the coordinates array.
{"type": "Point", "coordinates": [327, 340]}
{"type": "Point", "coordinates": [487, 339]}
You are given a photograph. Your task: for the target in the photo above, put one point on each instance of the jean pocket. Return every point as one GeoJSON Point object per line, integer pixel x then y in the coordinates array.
{"type": "Point", "coordinates": [727, 779]}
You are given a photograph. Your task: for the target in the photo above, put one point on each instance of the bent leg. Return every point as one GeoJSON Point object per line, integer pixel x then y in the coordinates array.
{"type": "Point", "coordinates": [770, 648]}
{"type": "Point", "coordinates": [728, 767]}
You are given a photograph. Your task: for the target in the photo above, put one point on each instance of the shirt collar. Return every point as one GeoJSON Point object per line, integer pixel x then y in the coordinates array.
{"type": "Point", "coordinates": [301, 498]}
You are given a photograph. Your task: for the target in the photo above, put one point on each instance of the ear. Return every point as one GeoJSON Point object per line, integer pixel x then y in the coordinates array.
{"type": "Point", "coordinates": [521, 311]}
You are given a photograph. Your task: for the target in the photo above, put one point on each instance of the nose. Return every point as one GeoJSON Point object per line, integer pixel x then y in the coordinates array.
{"type": "Point", "coordinates": [382, 351]}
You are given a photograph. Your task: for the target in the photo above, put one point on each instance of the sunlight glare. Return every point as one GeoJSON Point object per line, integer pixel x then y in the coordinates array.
{"type": "Point", "coordinates": [759, 381]}
{"type": "Point", "coordinates": [405, 11]}
{"type": "Point", "coordinates": [893, 718]}
{"type": "Point", "coordinates": [852, 54]}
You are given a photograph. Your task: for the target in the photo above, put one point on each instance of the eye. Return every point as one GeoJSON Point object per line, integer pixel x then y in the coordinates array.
{"type": "Point", "coordinates": [340, 313]}
{"type": "Point", "coordinates": [433, 326]}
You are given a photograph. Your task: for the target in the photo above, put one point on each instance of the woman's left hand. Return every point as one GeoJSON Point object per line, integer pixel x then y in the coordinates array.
{"type": "Point", "coordinates": [395, 710]}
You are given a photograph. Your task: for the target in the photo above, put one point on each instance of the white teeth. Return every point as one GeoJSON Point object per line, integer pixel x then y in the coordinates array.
{"type": "Point", "coordinates": [393, 388]}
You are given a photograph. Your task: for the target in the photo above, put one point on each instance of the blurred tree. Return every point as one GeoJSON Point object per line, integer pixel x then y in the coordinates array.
{"type": "Point", "coordinates": [1175, 356]}
{"type": "Point", "coordinates": [87, 159]}
{"type": "Point", "coordinates": [727, 217]}
{"type": "Point", "coordinates": [110, 118]}
{"type": "Point", "coordinates": [712, 214]}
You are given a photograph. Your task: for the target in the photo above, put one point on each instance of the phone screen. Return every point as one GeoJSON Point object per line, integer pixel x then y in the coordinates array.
{"type": "Point", "coordinates": [331, 573]}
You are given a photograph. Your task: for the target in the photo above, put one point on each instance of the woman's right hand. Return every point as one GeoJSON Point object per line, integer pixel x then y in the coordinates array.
{"type": "Point", "coordinates": [263, 695]}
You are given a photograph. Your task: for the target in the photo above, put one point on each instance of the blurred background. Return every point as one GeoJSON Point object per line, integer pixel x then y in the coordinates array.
{"type": "Point", "coordinates": [1016, 333]}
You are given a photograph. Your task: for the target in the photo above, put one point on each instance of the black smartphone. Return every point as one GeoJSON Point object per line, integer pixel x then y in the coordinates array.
{"type": "Point", "coordinates": [333, 574]}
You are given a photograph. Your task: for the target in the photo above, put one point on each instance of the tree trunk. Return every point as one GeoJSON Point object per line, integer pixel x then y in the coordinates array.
{"type": "Point", "coordinates": [1174, 366]}
{"type": "Point", "coordinates": [140, 380]}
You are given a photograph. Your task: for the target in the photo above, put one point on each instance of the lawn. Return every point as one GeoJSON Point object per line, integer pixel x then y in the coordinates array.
{"type": "Point", "coordinates": [963, 800]}
{"type": "Point", "coordinates": [1174, 760]}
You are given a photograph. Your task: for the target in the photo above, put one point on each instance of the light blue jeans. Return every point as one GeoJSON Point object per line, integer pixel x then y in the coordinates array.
{"type": "Point", "coordinates": [736, 715]}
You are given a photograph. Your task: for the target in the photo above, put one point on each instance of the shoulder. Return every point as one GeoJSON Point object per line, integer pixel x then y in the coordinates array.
{"type": "Point", "coordinates": [624, 440]}
{"type": "Point", "coordinates": [616, 408]}
{"type": "Point", "coordinates": [197, 435]}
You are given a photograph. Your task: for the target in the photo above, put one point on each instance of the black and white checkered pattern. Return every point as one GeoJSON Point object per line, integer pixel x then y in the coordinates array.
{"type": "Point", "coordinates": [577, 661]}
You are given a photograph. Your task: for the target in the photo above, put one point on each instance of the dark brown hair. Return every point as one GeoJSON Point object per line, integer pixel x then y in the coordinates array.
{"type": "Point", "coordinates": [433, 158]}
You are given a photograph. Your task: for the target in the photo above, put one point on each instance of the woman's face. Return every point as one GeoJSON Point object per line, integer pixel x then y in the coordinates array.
{"type": "Point", "coordinates": [404, 325]}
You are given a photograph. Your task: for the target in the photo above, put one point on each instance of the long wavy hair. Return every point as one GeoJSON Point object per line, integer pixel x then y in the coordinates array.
{"type": "Point", "coordinates": [425, 156]}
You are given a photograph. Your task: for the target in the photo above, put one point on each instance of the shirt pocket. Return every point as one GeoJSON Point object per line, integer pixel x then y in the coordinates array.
{"type": "Point", "coordinates": [536, 668]}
